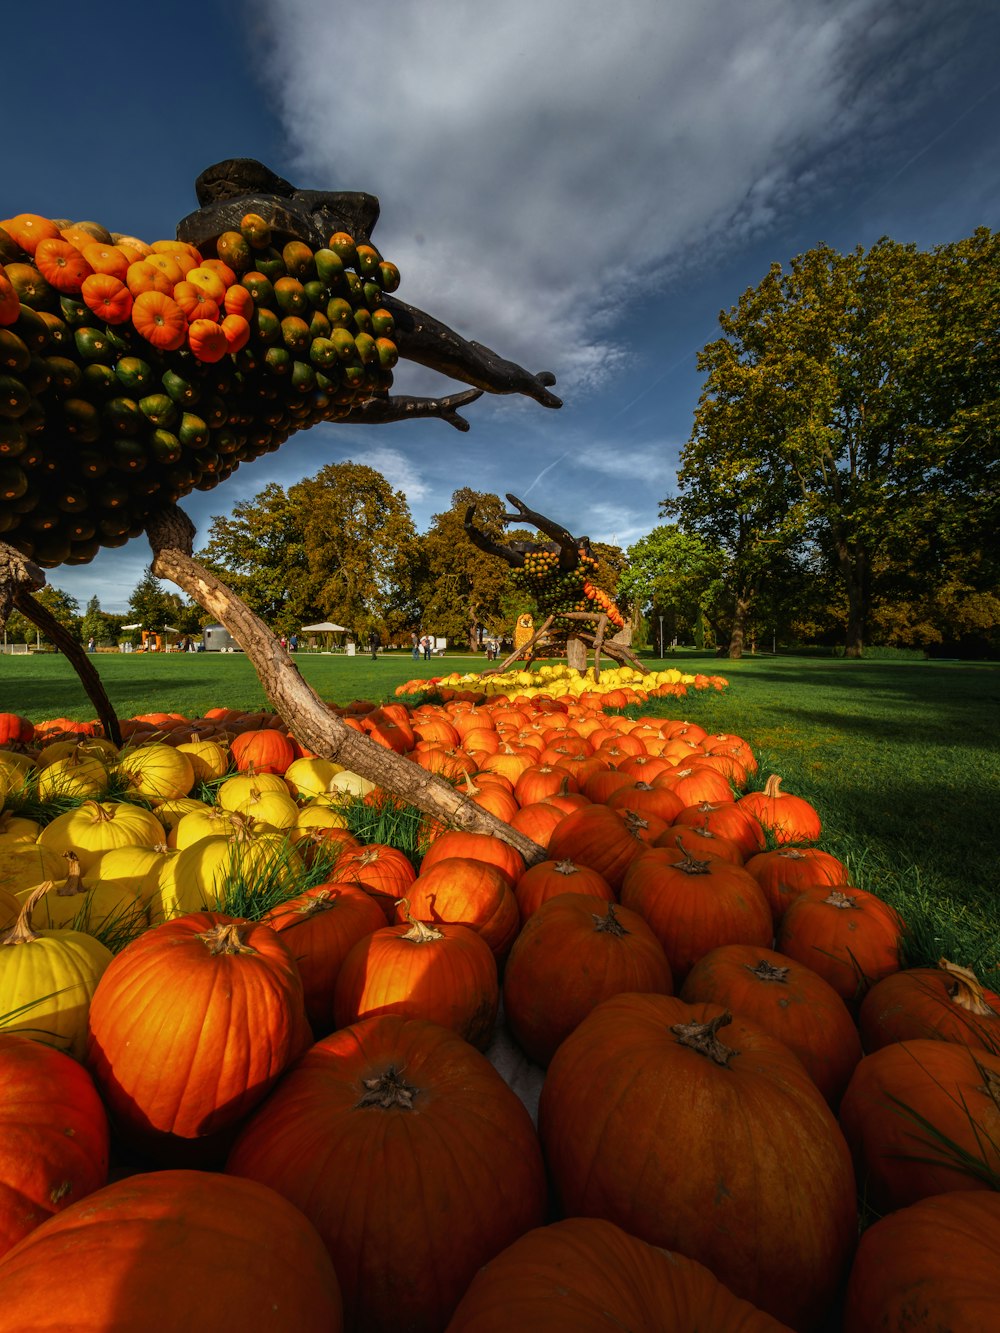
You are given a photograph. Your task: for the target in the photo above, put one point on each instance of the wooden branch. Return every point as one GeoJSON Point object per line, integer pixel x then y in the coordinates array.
{"type": "Point", "coordinates": [171, 536]}
{"type": "Point", "coordinates": [602, 625]}
{"type": "Point", "coordinates": [74, 652]}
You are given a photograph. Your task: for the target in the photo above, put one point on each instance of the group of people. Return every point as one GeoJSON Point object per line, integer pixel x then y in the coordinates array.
{"type": "Point", "coordinates": [291, 643]}
{"type": "Point", "coordinates": [422, 646]}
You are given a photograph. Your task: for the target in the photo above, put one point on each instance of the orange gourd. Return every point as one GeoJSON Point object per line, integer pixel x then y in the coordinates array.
{"type": "Point", "coordinates": [160, 320]}
{"type": "Point", "coordinates": [108, 297]}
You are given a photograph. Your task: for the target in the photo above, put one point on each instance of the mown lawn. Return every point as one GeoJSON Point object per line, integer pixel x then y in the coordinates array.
{"type": "Point", "coordinates": [900, 757]}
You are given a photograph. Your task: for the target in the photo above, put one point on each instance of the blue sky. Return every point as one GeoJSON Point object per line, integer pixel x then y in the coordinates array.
{"type": "Point", "coordinates": [581, 186]}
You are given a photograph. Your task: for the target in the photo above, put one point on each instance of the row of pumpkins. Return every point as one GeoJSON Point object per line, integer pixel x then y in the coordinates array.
{"type": "Point", "coordinates": [308, 1126]}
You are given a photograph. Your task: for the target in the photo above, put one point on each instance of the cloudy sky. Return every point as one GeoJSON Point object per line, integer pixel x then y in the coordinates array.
{"type": "Point", "coordinates": [581, 186]}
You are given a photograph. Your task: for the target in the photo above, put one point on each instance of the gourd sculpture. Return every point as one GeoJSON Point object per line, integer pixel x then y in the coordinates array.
{"type": "Point", "coordinates": [134, 373]}
{"type": "Point", "coordinates": [559, 575]}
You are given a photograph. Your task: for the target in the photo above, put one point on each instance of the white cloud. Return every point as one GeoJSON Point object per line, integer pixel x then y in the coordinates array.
{"type": "Point", "coordinates": [543, 163]}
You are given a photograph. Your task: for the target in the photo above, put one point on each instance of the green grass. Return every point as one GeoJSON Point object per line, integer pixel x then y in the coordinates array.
{"type": "Point", "coordinates": [900, 757]}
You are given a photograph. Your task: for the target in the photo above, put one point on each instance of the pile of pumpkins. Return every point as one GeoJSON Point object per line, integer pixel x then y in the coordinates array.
{"type": "Point", "coordinates": [293, 1117]}
{"type": "Point", "coordinates": [132, 373]}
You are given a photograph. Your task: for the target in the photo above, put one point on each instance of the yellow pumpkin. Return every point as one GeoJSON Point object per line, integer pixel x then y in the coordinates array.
{"type": "Point", "coordinates": [197, 878]}
{"type": "Point", "coordinates": [131, 870]}
{"type": "Point", "coordinates": [76, 775]}
{"type": "Point", "coordinates": [274, 808]}
{"type": "Point", "coordinates": [235, 790]}
{"type": "Point", "coordinates": [47, 978]}
{"type": "Point", "coordinates": [90, 747]}
{"type": "Point", "coordinates": [170, 813]}
{"type": "Point", "coordinates": [24, 864]}
{"type": "Point", "coordinates": [311, 776]}
{"type": "Point", "coordinates": [18, 828]}
{"type": "Point", "coordinates": [208, 759]}
{"type": "Point", "coordinates": [97, 826]}
{"type": "Point", "coordinates": [102, 906]}
{"type": "Point", "coordinates": [157, 772]}
{"type": "Point", "coordinates": [211, 822]}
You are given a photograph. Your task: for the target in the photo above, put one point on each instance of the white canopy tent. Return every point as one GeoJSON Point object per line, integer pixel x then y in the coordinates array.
{"type": "Point", "coordinates": [330, 632]}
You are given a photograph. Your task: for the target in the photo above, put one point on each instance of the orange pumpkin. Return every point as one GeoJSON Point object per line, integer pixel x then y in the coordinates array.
{"type": "Point", "coordinates": [108, 297]}
{"type": "Point", "coordinates": [159, 319]}
{"type": "Point", "coordinates": [61, 264]}
{"type": "Point", "coordinates": [848, 936]}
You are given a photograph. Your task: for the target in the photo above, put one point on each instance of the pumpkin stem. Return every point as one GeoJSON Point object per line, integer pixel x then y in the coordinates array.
{"type": "Point", "coordinates": [635, 823]}
{"type": "Point", "coordinates": [966, 989]}
{"type": "Point", "coordinates": [73, 884]}
{"type": "Point", "coordinates": [21, 932]}
{"type": "Point", "coordinates": [388, 1092]}
{"type": "Point", "coordinates": [772, 787]}
{"type": "Point", "coordinates": [609, 923]}
{"type": "Point", "coordinates": [565, 868]}
{"type": "Point", "coordinates": [840, 900]}
{"type": "Point", "coordinates": [765, 971]}
{"type": "Point", "coordinates": [688, 862]}
{"type": "Point", "coordinates": [701, 1037]}
{"type": "Point", "coordinates": [419, 932]}
{"type": "Point", "coordinates": [225, 938]}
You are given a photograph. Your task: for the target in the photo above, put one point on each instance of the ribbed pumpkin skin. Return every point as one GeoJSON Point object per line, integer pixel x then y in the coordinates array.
{"type": "Point", "coordinates": [411, 1201]}
{"type": "Point", "coordinates": [693, 906]}
{"type": "Point", "coordinates": [184, 1250]}
{"type": "Point", "coordinates": [549, 879]}
{"type": "Point", "coordinates": [320, 927]}
{"type": "Point", "coordinates": [740, 1165]}
{"type": "Point", "coordinates": [788, 1000]}
{"type": "Point", "coordinates": [236, 1020]}
{"type": "Point", "coordinates": [470, 893]}
{"type": "Point", "coordinates": [573, 953]}
{"type": "Point", "coordinates": [598, 837]}
{"type": "Point", "coordinates": [930, 1267]}
{"type": "Point", "coordinates": [53, 1135]}
{"type": "Point", "coordinates": [919, 1002]}
{"type": "Point", "coordinates": [445, 974]}
{"type": "Point", "coordinates": [584, 1275]}
{"type": "Point", "coordinates": [899, 1159]}
{"type": "Point", "coordinates": [850, 937]}
{"type": "Point", "coordinates": [785, 872]}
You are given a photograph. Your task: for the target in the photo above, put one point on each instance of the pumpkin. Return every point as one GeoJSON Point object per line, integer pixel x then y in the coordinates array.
{"type": "Point", "coordinates": [572, 954]}
{"type": "Point", "coordinates": [784, 872]}
{"type": "Point", "coordinates": [946, 1002]}
{"type": "Point", "coordinates": [932, 1266]}
{"type": "Point", "coordinates": [47, 979]}
{"type": "Point", "coordinates": [76, 775]}
{"type": "Point", "coordinates": [548, 879]}
{"type": "Point", "coordinates": [443, 973]}
{"type": "Point", "coordinates": [235, 791]}
{"type": "Point", "coordinates": [646, 799]}
{"type": "Point", "coordinates": [537, 821]}
{"type": "Point", "coordinates": [208, 759]}
{"type": "Point", "coordinates": [469, 893]}
{"type": "Point", "coordinates": [248, 1260]}
{"type": "Point", "coordinates": [310, 776]}
{"type": "Point", "coordinates": [599, 838]}
{"type": "Point", "coordinates": [108, 297]}
{"type": "Point", "coordinates": [701, 843]}
{"type": "Point", "coordinates": [178, 1082]}
{"type": "Point", "coordinates": [586, 1275]}
{"type": "Point", "coordinates": [264, 751]}
{"type": "Point", "coordinates": [697, 1131]}
{"type": "Point", "coordinates": [786, 817]}
{"type": "Point", "coordinates": [97, 826]}
{"type": "Point", "coordinates": [693, 906]}
{"type": "Point", "coordinates": [99, 908]}
{"type": "Point", "coordinates": [15, 730]}
{"type": "Point", "coordinates": [477, 847]}
{"type": "Point", "coordinates": [789, 1001]}
{"type": "Point", "coordinates": [204, 875]}
{"type": "Point", "coordinates": [53, 1135]}
{"type": "Point", "coordinates": [923, 1117]}
{"type": "Point", "coordinates": [382, 871]}
{"type": "Point", "coordinates": [728, 819]}
{"type": "Point", "coordinates": [23, 865]}
{"type": "Point", "coordinates": [156, 772]}
{"type": "Point", "coordinates": [542, 780]}
{"type": "Point", "coordinates": [320, 927]}
{"type": "Point", "coordinates": [156, 316]}
{"type": "Point", "coordinates": [444, 1165]}
{"type": "Point", "coordinates": [850, 937]}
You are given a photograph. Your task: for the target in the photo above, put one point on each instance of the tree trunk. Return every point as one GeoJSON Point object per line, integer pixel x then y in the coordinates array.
{"type": "Point", "coordinates": [854, 571]}
{"type": "Point", "coordinates": [741, 611]}
{"type": "Point", "coordinates": [171, 535]}
{"type": "Point", "coordinates": [576, 653]}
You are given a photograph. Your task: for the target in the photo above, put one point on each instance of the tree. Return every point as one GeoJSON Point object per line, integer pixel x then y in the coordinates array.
{"type": "Point", "coordinates": [64, 607]}
{"type": "Point", "coordinates": [852, 402]}
{"type": "Point", "coordinates": [675, 575]}
{"type": "Point", "coordinates": [259, 550]}
{"type": "Point", "coordinates": [95, 625]}
{"type": "Point", "coordinates": [154, 607]}
{"type": "Point", "coordinates": [463, 591]}
{"type": "Point", "coordinates": [360, 549]}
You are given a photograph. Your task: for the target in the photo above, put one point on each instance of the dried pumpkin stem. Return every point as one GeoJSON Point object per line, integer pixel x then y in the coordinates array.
{"type": "Point", "coordinates": [225, 938]}
{"type": "Point", "coordinates": [609, 923]}
{"type": "Point", "coordinates": [966, 990]}
{"type": "Point", "coordinates": [701, 1037]}
{"type": "Point", "coordinates": [388, 1092]}
{"type": "Point", "coordinates": [21, 932]}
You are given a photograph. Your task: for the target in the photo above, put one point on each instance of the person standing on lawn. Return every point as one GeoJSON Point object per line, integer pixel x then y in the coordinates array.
{"type": "Point", "coordinates": [374, 643]}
